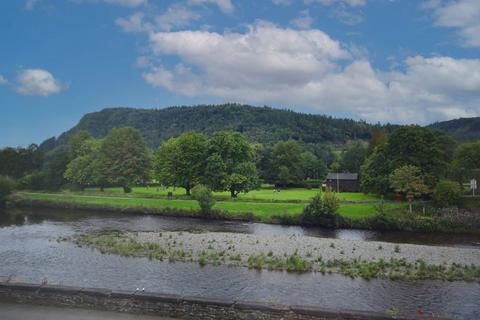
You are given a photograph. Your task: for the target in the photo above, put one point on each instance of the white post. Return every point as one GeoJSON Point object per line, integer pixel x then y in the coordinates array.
{"type": "Point", "coordinates": [338, 184]}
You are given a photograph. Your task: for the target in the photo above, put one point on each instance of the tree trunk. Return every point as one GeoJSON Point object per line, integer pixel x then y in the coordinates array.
{"type": "Point", "coordinates": [187, 190]}
{"type": "Point", "coordinates": [102, 188]}
{"type": "Point", "coordinates": [233, 195]}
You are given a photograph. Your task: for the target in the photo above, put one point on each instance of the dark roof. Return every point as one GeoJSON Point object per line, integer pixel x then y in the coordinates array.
{"type": "Point", "coordinates": [342, 176]}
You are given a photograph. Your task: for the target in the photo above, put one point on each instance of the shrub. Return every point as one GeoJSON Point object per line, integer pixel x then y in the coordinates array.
{"type": "Point", "coordinates": [204, 197]}
{"type": "Point", "coordinates": [447, 194]}
{"type": "Point", "coordinates": [7, 185]}
{"type": "Point", "coordinates": [34, 181]}
{"type": "Point", "coordinates": [322, 210]}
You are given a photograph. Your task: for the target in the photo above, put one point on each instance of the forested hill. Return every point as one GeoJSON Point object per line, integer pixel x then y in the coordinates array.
{"type": "Point", "coordinates": [259, 124]}
{"type": "Point", "coordinates": [462, 129]}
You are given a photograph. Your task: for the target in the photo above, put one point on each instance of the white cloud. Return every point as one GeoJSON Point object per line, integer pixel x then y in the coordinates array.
{"type": "Point", "coordinates": [282, 2]}
{"type": "Point", "coordinates": [175, 16]}
{"type": "Point", "coordinates": [125, 3]}
{"type": "Point", "coordinates": [307, 68]}
{"type": "Point", "coordinates": [345, 11]}
{"type": "Point", "coordinates": [463, 15]}
{"type": "Point", "coordinates": [352, 3]}
{"type": "Point", "coordinates": [225, 5]}
{"type": "Point", "coordinates": [2, 80]}
{"type": "Point", "coordinates": [30, 4]}
{"type": "Point", "coordinates": [134, 23]}
{"type": "Point", "coordinates": [303, 20]}
{"type": "Point", "coordinates": [37, 82]}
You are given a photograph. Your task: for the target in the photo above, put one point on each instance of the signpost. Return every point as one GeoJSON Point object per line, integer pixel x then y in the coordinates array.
{"type": "Point", "coordinates": [473, 186]}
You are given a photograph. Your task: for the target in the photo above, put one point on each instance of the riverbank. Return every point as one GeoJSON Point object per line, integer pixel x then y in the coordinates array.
{"type": "Point", "coordinates": [371, 216]}
{"type": "Point", "coordinates": [267, 212]}
{"type": "Point", "coordinates": [296, 254]}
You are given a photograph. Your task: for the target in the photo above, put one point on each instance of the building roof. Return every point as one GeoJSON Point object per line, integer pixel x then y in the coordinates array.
{"type": "Point", "coordinates": [342, 176]}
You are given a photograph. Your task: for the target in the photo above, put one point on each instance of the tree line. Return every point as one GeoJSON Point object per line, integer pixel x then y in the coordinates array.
{"type": "Point", "coordinates": [411, 160]}
{"type": "Point", "coordinates": [224, 161]}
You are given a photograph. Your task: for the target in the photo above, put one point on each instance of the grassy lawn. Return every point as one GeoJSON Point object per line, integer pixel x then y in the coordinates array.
{"type": "Point", "coordinates": [263, 211]}
{"type": "Point", "coordinates": [359, 211]}
{"type": "Point", "coordinates": [266, 194]}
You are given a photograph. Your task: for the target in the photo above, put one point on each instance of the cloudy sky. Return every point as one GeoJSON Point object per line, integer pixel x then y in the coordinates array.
{"type": "Point", "coordinates": [398, 61]}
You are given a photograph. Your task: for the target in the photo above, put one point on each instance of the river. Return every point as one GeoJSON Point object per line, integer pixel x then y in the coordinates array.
{"type": "Point", "coordinates": [29, 252]}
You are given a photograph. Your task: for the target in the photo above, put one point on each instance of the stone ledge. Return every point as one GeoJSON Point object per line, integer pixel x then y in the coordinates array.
{"type": "Point", "coordinates": [155, 297]}
{"type": "Point", "coordinates": [208, 301]}
{"type": "Point", "coordinates": [335, 314]}
{"type": "Point", "coordinates": [259, 306]}
{"type": "Point", "coordinates": [171, 305]}
{"type": "Point", "coordinates": [58, 289]}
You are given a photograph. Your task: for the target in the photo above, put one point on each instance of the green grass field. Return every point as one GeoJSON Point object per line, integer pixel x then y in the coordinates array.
{"type": "Point", "coordinates": [263, 194]}
{"type": "Point", "coordinates": [262, 211]}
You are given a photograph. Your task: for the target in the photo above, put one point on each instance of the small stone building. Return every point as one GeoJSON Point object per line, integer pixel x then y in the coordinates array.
{"type": "Point", "coordinates": [343, 182]}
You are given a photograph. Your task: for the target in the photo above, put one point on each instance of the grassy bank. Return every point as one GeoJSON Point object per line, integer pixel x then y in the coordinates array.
{"type": "Point", "coordinates": [373, 216]}
{"type": "Point", "coordinates": [269, 212]}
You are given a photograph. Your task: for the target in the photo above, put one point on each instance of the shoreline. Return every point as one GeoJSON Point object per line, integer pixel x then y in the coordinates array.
{"type": "Point", "coordinates": [279, 219]}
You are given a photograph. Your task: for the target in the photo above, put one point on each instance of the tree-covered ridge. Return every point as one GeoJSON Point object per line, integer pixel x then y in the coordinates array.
{"type": "Point", "coordinates": [258, 124]}
{"type": "Point", "coordinates": [462, 129]}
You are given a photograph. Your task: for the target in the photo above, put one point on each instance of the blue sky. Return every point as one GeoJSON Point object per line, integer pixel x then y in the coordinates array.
{"type": "Point", "coordinates": [377, 60]}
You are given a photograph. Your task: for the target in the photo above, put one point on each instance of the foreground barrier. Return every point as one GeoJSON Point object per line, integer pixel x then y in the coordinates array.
{"type": "Point", "coordinates": [167, 305]}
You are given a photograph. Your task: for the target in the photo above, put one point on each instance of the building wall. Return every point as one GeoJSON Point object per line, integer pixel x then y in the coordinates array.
{"type": "Point", "coordinates": [344, 185]}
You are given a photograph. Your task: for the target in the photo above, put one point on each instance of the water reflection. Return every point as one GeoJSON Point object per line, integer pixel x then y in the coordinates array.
{"type": "Point", "coordinates": [123, 221]}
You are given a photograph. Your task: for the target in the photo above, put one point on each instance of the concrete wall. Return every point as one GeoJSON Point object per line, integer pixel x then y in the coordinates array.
{"type": "Point", "coordinates": [167, 305]}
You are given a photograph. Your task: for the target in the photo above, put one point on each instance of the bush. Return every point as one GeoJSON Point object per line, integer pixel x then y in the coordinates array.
{"type": "Point", "coordinates": [34, 181]}
{"type": "Point", "coordinates": [205, 199]}
{"type": "Point", "coordinates": [322, 210]}
{"type": "Point", "coordinates": [7, 185]}
{"type": "Point", "coordinates": [447, 194]}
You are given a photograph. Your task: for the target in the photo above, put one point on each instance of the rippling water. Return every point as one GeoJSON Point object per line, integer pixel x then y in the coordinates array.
{"type": "Point", "coordinates": [29, 252]}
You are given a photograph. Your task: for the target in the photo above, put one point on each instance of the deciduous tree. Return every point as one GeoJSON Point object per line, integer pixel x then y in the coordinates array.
{"type": "Point", "coordinates": [125, 157]}
{"type": "Point", "coordinates": [181, 161]}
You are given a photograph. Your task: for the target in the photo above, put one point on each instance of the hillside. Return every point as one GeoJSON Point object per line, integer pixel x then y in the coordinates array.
{"type": "Point", "coordinates": [260, 124]}
{"type": "Point", "coordinates": [462, 129]}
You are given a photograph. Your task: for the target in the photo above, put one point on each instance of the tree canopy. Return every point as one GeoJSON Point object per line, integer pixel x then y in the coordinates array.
{"type": "Point", "coordinates": [428, 150]}
{"type": "Point", "coordinates": [181, 161]}
{"type": "Point", "coordinates": [125, 157]}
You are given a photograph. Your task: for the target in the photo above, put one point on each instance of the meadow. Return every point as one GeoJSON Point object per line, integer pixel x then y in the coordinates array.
{"type": "Point", "coordinates": [261, 205]}
{"type": "Point", "coordinates": [266, 193]}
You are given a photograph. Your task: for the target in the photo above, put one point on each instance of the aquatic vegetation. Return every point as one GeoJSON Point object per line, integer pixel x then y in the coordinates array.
{"type": "Point", "coordinates": [129, 245]}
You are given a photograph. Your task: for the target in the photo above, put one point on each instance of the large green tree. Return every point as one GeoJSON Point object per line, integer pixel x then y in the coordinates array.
{"type": "Point", "coordinates": [428, 150]}
{"type": "Point", "coordinates": [230, 164]}
{"type": "Point", "coordinates": [125, 158]}
{"type": "Point", "coordinates": [408, 180]}
{"type": "Point", "coordinates": [76, 144]}
{"type": "Point", "coordinates": [83, 169]}
{"type": "Point", "coordinates": [312, 167]}
{"type": "Point", "coordinates": [353, 158]}
{"type": "Point", "coordinates": [287, 163]}
{"type": "Point", "coordinates": [466, 161]}
{"type": "Point", "coordinates": [18, 162]}
{"type": "Point", "coordinates": [375, 171]}
{"type": "Point", "coordinates": [181, 161]}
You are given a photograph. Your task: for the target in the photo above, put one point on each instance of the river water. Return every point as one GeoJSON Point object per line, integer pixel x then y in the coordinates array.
{"type": "Point", "coordinates": [29, 252]}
